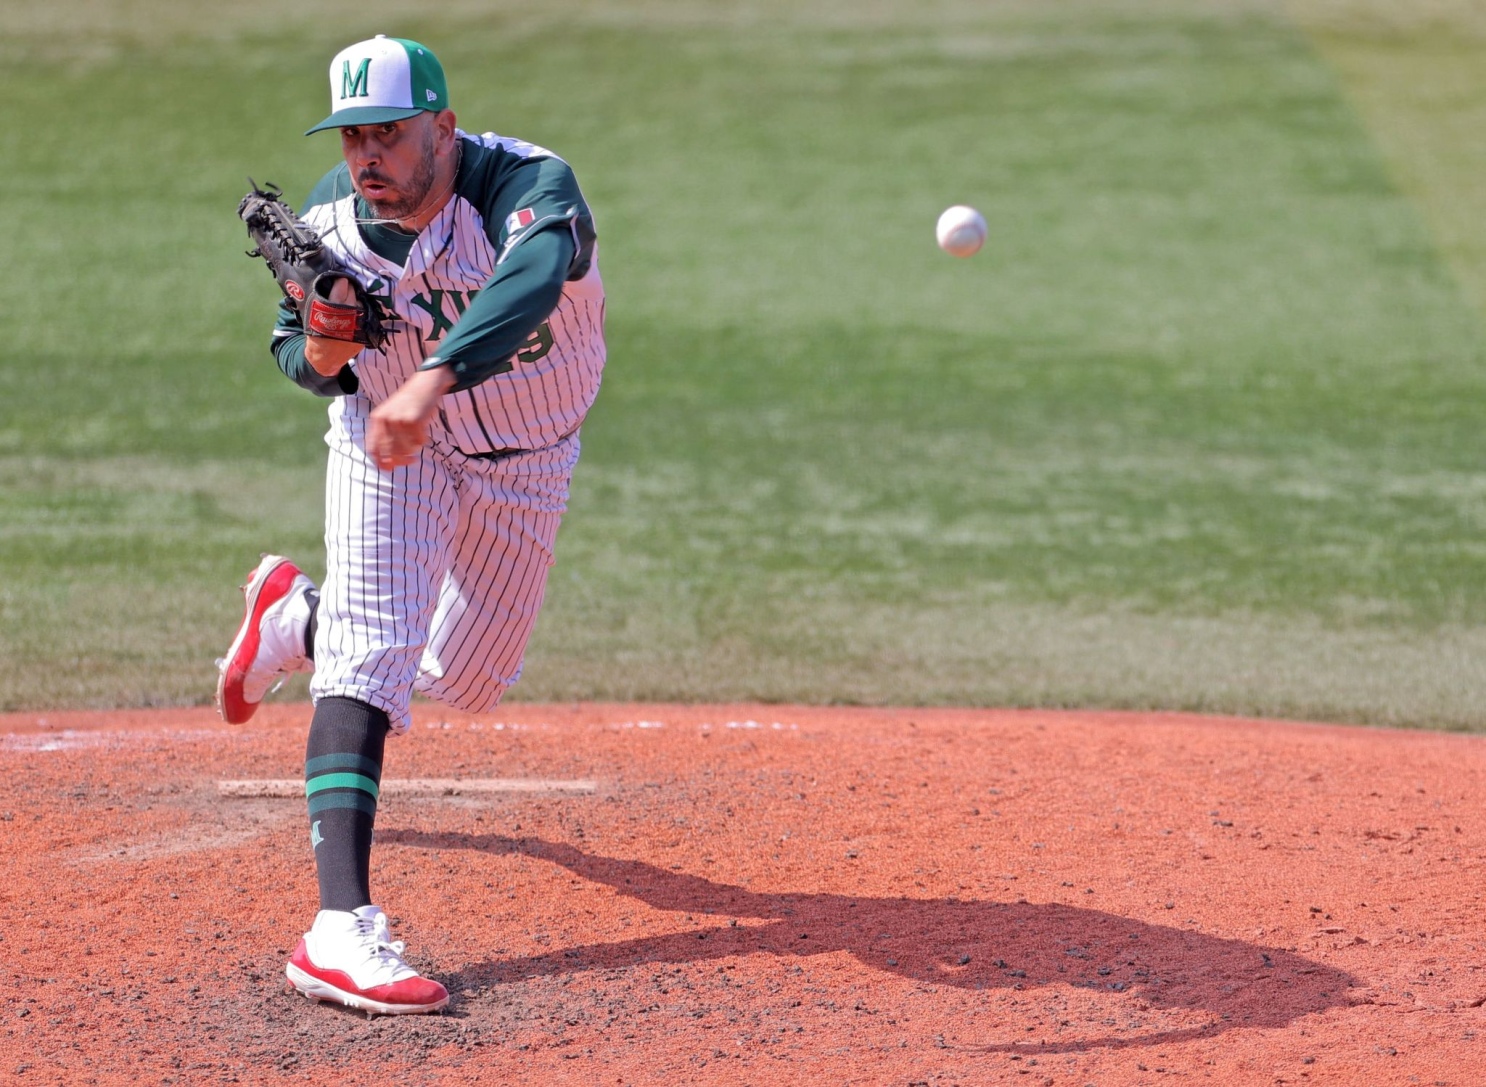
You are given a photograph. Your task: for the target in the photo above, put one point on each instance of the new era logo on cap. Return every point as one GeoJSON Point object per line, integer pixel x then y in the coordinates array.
{"type": "Point", "coordinates": [383, 79]}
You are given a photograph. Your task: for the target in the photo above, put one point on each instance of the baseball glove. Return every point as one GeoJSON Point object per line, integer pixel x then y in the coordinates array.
{"type": "Point", "coordinates": [306, 271]}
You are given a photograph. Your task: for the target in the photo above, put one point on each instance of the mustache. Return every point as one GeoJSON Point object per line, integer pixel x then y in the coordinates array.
{"type": "Point", "coordinates": [371, 175]}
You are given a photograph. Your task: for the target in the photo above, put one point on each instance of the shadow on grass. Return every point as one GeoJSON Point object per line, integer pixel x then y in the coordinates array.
{"type": "Point", "coordinates": [966, 944]}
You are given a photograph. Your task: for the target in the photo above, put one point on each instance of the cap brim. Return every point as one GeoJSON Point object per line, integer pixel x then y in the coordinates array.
{"type": "Point", "coordinates": [365, 115]}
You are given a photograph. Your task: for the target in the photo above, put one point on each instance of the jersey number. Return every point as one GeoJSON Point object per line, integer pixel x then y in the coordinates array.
{"type": "Point", "coordinates": [537, 346]}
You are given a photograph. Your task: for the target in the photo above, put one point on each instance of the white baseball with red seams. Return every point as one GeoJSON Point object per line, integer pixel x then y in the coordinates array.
{"type": "Point", "coordinates": [961, 231]}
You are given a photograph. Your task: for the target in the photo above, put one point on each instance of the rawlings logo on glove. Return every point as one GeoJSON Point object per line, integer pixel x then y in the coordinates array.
{"type": "Point", "coordinates": [306, 271]}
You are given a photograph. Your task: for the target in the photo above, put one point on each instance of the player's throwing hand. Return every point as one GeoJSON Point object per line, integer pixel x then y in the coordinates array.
{"type": "Point", "coordinates": [398, 427]}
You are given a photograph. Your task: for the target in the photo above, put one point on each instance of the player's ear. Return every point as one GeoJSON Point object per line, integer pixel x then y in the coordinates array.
{"type": "Point", "coordinates": [444, 124]}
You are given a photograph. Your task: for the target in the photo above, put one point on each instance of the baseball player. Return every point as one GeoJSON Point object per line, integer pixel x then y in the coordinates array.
{"type": "Point", "coordinates": [451, 450]}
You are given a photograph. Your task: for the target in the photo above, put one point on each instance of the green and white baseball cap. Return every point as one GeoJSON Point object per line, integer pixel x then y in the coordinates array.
{"type": "Point", "coordinates": [383, 79]}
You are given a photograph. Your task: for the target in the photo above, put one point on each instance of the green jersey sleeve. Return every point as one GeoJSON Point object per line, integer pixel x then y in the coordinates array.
{"type": "Point", "coordinates": [519, 297]}
{"type": "Point", "coordinates": [519, 196]}
{"type": "Point", "coordinates": [542, 231]}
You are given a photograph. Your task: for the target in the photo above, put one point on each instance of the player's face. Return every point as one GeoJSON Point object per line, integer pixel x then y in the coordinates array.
{"type": "Point", "coordinates": [393, 164]}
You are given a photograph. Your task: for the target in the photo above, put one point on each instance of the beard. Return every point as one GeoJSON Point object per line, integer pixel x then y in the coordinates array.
{"type": "Point", "coordinates": [412, 196]}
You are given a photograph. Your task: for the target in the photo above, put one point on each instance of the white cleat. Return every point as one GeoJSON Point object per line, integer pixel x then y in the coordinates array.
{"type": "Point", "coordinates": [351, 959]}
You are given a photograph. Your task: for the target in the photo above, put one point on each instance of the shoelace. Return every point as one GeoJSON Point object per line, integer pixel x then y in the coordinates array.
{"type": "Point", "coordinates": [388, 952]}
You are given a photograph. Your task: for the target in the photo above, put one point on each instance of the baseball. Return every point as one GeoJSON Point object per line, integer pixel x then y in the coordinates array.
{"type": "Point", "coordinates": [961, 231]}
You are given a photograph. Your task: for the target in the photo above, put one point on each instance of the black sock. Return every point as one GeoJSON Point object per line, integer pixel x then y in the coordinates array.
{"type": "Point", "coordinates": [313, 625]}
{"type": "Point", "coordinates": [343, 772]}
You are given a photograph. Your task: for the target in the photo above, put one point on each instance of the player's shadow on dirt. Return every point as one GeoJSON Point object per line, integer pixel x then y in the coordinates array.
{"type": "Point", "coordinates": [968, 944]}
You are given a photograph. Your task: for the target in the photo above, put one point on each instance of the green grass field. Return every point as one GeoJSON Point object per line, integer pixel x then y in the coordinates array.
{"type": "Point", "coordinates": [1199, 429]}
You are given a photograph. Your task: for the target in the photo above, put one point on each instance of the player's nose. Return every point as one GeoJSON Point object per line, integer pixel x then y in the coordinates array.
{"type": "Point", "coordinates": [367, 151]}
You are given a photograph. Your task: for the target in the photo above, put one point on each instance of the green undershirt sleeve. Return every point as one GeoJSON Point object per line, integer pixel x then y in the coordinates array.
{"type": "Point", "coordinates": [522, 293]}
{"type": "Point", "coordinates": [288, 352]}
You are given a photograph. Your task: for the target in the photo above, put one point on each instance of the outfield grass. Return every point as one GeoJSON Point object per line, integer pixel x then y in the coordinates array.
{"type": "Point", "coordinates": [1198, 429]}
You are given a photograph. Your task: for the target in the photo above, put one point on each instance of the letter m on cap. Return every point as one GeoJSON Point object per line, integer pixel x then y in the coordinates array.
{"type": "Point", "coordinates": [357, 85]}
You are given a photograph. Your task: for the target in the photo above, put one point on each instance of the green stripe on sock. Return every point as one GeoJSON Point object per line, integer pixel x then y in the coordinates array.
{"type": "Point", "coordinates": [340, 781]}
{"type": "Point", "coordinates": [358, 800]}
{"type": "Point", "coordinates": [343, 762]}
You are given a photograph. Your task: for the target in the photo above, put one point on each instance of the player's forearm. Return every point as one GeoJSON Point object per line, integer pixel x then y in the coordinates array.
{"type": "Point", "coordinates": [522, 293]}
{"type": "Point", "coordinates": [288, 352]}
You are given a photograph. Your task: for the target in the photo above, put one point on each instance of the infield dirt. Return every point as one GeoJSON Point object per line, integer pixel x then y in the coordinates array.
{"type": "Point", "coordinates": [762, 894]}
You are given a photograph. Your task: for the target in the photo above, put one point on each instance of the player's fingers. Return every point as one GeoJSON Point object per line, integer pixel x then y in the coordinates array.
{"type": "Point", "coordinates": [379, 444]}
{"type": "Point", "coordinates": [389, 459]}
{"type": "Point", "coordinates": [411, 433]}
{"type": "Point", "coordinates": [389, 453]}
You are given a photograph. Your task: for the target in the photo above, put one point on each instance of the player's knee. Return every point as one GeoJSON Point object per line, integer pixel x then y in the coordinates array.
{"type": "Point", "coordinates": [475, 698]}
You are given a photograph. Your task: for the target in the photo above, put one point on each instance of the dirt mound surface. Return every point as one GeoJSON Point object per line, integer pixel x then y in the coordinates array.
{"type": "Point", "coordinates": [761, 894]}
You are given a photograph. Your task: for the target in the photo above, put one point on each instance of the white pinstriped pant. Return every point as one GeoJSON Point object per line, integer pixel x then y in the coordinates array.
{"type": "Point", "coordinates": [434, 572]}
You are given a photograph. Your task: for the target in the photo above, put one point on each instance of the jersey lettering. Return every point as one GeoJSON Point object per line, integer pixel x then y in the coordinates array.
{"type": "Point", "coordinates": [537, 345]}
{"type": "Point", "coordinates": [433, 305]}
{"type": "Point", "coordinates": [381, 290]}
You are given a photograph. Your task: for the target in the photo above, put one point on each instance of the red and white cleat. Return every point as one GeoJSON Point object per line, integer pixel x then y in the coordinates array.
{"type": "Point", "coordinates": [350, 958]}
{"type": "Point", "coordinates": [270, 643]}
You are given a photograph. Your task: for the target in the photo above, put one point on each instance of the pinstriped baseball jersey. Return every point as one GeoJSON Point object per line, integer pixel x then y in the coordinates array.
{"type": "Point", "coordinates": [435, 571]}
{"type": "Point", "coordinates": [505, 191]}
